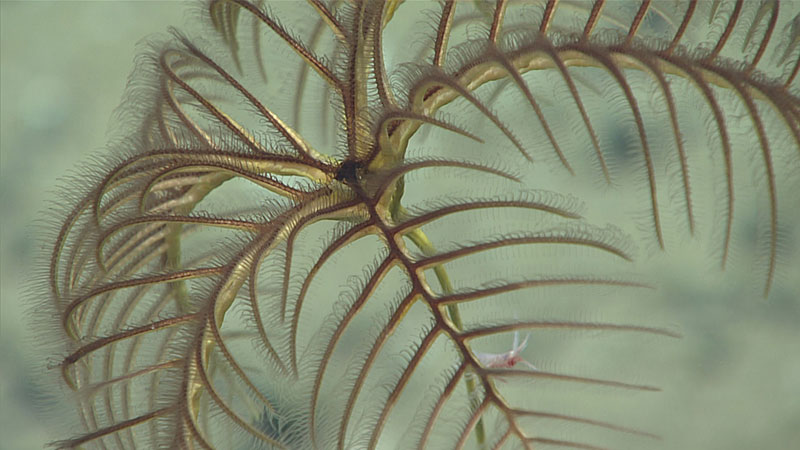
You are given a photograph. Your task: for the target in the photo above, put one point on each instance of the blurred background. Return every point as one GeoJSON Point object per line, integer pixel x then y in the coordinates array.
{"type": "Point", "coordinates": [63, 68]}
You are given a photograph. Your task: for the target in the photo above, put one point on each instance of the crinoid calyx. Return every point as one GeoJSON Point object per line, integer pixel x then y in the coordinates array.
{"type": "Point", "coordinates": [362, 224]}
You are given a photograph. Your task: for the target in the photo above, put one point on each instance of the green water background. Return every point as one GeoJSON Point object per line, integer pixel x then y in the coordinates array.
{"type": "Point", "coordinates": [63, 69]}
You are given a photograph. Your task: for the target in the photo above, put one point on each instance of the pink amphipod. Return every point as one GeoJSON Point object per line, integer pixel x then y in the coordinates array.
{"type": "Point", "coordinates": [508, 359]}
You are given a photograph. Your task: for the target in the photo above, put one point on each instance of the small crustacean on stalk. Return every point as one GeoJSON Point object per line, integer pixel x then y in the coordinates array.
{"type": "Point", "coordinates": [508, 359]}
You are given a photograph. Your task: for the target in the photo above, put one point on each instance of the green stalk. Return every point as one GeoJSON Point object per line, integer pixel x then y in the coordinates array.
{"type": "Point", "coordinates": [172, 258]}
{"type": "Point", "coordinates": [424, 244]}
